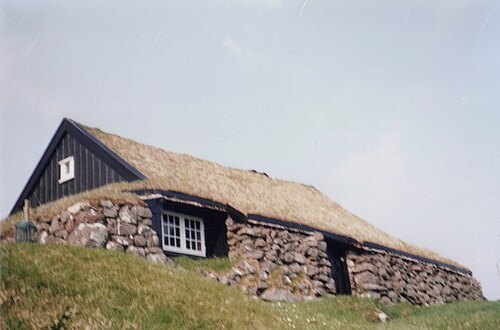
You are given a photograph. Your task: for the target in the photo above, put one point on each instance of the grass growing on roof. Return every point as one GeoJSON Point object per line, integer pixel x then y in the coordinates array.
{"type": "Point", "coordinates": [122, 192]}
{"type": "Point", "coordinates": [56, 286]}
{"type": "Point", "coordinates": [249, 192]}
{"type": "Point", "coordinates": [115, 191]}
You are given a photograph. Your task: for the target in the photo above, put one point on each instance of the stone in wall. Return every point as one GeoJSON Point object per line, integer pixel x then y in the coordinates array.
{"type": "Point", "coordinates": [106, 224]}
{"type": "Point", "coordinates": [277, 264]}
{"type": "Point", "coordinates": [392, 278]}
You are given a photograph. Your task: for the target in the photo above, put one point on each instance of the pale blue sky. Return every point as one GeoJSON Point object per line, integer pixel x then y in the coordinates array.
{"type": "Point", "coordinates": [389, 107]}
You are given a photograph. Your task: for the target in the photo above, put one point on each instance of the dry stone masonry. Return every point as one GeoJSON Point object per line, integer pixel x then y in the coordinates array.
{"type": "Point", "coordinates": [392, 278]}
{"type": "Point", "coordinates": [282, 264]}
{"type": "Point", "coordinates": [277, 264]}
{"type": "Point", "coordinates": [269, 261]}
{"type": "Point", "coordinates": [106, 224]}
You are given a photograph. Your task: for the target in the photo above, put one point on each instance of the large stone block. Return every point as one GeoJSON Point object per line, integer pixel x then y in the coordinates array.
{"type": "Point", "coordinates": [55, 225]}
{"type": "Point", "coordinates": [365, 277]}
{"type": "Point", "coordinates": [126, 229]}
{"type": "Point", "coordinates": [127, 215]}
{"type": "Point", "coordinates": [365, 267]}
{"type": "Point", "coordinates": [274, 294]}
{"type": "Point", "coordinates": [92, 235]}
{"type": "Point", "coordinates": [113, 246]}
{"type": "Point", "coordinates": [159, 258]}
{"type": "Point", "coordinates": [136, 251]}
{"type": "Point", "coordinates": [144, 212]}
{"type": "Point", "coordinates": [106, 203]}
{"type": "Point", "coordinates": [110, 212]}
{"type": "Point", "coordinates": [75, 208]}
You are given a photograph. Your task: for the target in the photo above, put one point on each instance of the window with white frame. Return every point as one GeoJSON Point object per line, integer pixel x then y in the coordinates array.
{"type": "Point", "coordinates": [66, 169]}
{"type": "Point", "coordinates": [183, 234]}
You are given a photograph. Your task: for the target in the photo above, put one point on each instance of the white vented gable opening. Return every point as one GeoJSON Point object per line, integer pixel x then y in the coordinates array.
{"type": "Point", "coordinates": [183, 234]}
{"type": "Point", "coordinates": [66, 169]}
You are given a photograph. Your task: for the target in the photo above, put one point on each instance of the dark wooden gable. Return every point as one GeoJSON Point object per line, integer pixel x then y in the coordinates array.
{"type": "Point", "coordinates": [95, 165]}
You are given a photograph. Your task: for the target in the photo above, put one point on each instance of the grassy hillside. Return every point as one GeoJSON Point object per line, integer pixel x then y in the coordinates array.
{"type": "Point", "coordinates": [66, 287]}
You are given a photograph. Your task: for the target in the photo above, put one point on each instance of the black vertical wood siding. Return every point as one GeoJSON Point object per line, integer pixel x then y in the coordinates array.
{"type": "Point", "coordinates": [90, 172]}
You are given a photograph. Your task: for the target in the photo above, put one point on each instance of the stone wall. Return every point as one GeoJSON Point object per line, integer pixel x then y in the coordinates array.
{"type": "Point", "coordinates": [392, 278]}
{"type": "Point", "coordinates": [269, 261]}
{"type": "Point", "coordinates": [111, 225]}
{"type": "Point", "coordinates": [276, 263]}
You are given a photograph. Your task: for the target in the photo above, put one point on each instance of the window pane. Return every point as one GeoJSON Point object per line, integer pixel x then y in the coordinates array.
{"type": "Point", "coordinates": [172, 228]}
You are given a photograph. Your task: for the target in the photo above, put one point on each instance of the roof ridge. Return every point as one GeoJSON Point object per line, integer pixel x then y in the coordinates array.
{"type": "Point", "coordinates": [249, 192]}
{"type": "Point", "coordinates": [253, 171]}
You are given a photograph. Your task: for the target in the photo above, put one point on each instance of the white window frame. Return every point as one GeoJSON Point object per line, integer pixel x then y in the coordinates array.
{"type": "Point", "coordinates": [69, 163]}
{"type": "Point", "coordinates": [183, 249]}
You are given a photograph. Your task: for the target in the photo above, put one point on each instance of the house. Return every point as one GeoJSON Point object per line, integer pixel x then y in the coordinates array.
{"type": "Point", "coordinates": [269, 227]}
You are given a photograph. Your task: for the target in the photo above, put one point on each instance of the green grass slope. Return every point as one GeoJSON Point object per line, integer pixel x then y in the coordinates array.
{"type": "Point", "coordinates": [55, 286]}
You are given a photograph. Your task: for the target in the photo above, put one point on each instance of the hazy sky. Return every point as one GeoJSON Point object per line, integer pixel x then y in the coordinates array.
{"type": "Point", "coordinates": [389, 107]}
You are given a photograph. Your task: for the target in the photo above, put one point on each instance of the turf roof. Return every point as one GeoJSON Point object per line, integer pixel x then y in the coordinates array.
{"type": "Point", "coordinates": [249, 192]}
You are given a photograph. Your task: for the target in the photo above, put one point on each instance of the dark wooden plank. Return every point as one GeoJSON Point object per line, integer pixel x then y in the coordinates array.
{"type": "Point", "coordinates": [44, 188]}
{"type": "Point", "coordinates": [82, 168]}
{"type": "Point", "coordinates": [102, 172]}
{"type": "Point", "coordinates": [32, 200]}
{"type": "Point", "coordinates": [64, 185]}
{"type": "Point", "coordinates": [72, 151]}
{"type": "Point", "coordinates": [37, 194]}
{"type": "Point", "coordinates": [58, 158]}
{"type": "Point", "coordinates": [76, 148]}
{"type": "Point", "coordinates": [49, 182]}
{"type": "Point", "coordinates": [109, 174]}
{"type": "Point", "coordinates": [98, 169]}
{"type": "Point", "coordinates": [72, 188]}
{"type": "Point", "coordinates": [52, 178]}
{"type": "Point", "coordinates": [47, 185]}
{"type": "Point", "coordinates": [90, 177]}
{"type": "Point", "coordinates": [95, 172]}
{"type": "Point", "coordinates": [87, 171]}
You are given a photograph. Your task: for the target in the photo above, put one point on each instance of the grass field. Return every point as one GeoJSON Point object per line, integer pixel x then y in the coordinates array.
{"type": "Point", "coordinates": [55, 287]}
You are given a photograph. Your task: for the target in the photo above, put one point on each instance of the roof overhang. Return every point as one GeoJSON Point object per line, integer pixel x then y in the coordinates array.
{"type": "Point", "coordinates": [259, 219]}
